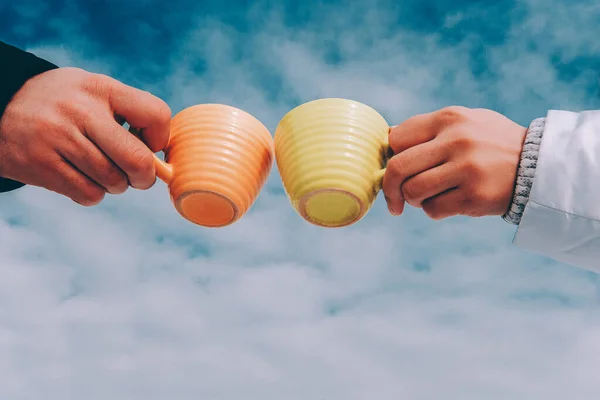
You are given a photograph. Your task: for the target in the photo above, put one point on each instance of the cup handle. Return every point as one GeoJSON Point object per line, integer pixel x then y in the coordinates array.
{"type": "Point", "coordinates": [379, 179]}
{"type": "Point", "coordinates": [163, 170]}
{"type": "Point", "coordinates": [381, 173]}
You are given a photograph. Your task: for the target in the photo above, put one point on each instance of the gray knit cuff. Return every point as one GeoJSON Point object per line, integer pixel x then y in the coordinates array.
{"type": "Point", "coordinates": [526, 171]}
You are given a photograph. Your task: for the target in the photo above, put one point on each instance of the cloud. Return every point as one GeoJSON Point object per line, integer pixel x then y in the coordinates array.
{"type": "Point", "coordinates": [127, 300]}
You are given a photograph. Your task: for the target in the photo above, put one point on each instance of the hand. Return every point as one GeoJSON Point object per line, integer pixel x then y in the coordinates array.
{"type": "Point", "coordinates": [455, 161]}
{"type": "Point", "coordinates": [63, 131]}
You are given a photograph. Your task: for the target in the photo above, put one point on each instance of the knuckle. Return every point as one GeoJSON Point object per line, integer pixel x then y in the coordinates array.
{"type": "Point", "coordinates": [395, 138]}
{"type": "Point", "coordinates": [395, 167]}
{"type": "Point", "coordinates": [434, 215]}
{"type": "Point", "coordinates": [473, 168]}
{"type": "Point", "coordinates": [432, 211]}
{"type": "Point", "coordinates": [411, 190]}
{"type": "Point", "coordinates": [392, 196]}
{"type": "Point", "coordinates": [52, 124]}
{"type": "Point", "coordinates": [451, 115]}
{"type": "Point", "coordinates": [97, 84]}
{"type": "Point", "coordinates": [140, 161]}
{"type": "Point", "coordinates": [46, 122]}
{"type": "Point", "coordinates": [90, 194]}
{"type": "Point", "coordinates": [78, 108]}
{"type": "Point", "coordinates": [115, 179]}
{"type": "Point", "coordinates": [481, 196]}
{"type": "Point", "coordinates": [163, 112]}
{"type": "Point", "coordinates": [461, 140]}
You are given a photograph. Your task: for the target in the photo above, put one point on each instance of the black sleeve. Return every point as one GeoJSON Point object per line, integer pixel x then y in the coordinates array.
{"type": "Point", "coordinates": [16, 68]}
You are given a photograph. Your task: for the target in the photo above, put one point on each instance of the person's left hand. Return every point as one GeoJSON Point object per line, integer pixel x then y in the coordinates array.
{"type": "Point", "coordinates": [454, 161]}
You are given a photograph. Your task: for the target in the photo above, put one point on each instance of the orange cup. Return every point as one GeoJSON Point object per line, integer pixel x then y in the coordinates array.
{"type": "Point", "coordinates": [216, 162]}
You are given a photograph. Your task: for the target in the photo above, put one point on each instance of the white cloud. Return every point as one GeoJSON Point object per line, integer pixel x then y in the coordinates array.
{"type": "Point", "coordinates": [129, 301]}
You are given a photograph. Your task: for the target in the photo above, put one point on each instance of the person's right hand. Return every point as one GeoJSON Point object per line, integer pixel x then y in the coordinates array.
{"type": "Point", "coordinates": [454, 161]}
{"type": "Point", "coordinates": [63, 131]}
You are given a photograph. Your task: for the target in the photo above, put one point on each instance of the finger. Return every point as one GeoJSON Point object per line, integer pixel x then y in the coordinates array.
{"type": "Point", "coordinates": [87, 158]}
{"type": "Point", "coordinates": [413, 131]}
{"type": "Point", "coordinates": [446, 204]}
{"type": "Point", "coordinates": [422, 128]}
{"type": "Point", "coordinates": [142, 110]}
{"type": "Point", "coordinates": [395, 207]}
{"type": "Point", "coordinates": [128, 152]}
{"type": "Point", "coordinates": [406, 164]}
{"type": "Point", "coordinates": [431, 183]}
{"type": "Point", "coordinates": [65, 179]}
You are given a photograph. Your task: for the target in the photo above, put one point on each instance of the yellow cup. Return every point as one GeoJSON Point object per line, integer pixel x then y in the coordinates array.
{"type": "Point", "coordinates": [331, 155]}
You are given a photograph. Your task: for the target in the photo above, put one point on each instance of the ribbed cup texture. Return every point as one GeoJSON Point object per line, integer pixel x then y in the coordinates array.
{"type": "Point", "coordinates": [331, 144]}
{"type": "Point", "coordinates": [220, 149]}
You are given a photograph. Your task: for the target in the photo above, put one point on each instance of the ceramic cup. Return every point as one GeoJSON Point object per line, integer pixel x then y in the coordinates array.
{"type": "Point", "coordinates": [216, 162]}
{"type": "Point", "coordinates": [331, 155]}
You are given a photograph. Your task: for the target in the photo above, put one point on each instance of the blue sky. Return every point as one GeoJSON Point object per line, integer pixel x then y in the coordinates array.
{"type": "Point", "coordinates": [128, 301]}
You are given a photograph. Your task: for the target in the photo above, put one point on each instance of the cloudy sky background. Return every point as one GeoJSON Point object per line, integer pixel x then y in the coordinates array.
{"type": "Point", "coordinates": [129, 301]}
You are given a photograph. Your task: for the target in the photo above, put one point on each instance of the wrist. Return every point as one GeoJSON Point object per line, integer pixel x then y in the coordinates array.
{"type": "Point", "coordinates": [17, 68]}
{"type": "Point", "coordinates": [526, 171]}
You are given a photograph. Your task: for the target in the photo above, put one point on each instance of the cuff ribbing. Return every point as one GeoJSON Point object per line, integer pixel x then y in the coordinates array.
{"type": "Point", "coordinates": [526, 171]}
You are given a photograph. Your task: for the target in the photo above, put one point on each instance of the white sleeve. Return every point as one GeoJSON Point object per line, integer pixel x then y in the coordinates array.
{"type": "Point", "coordinates": [562, 217]}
